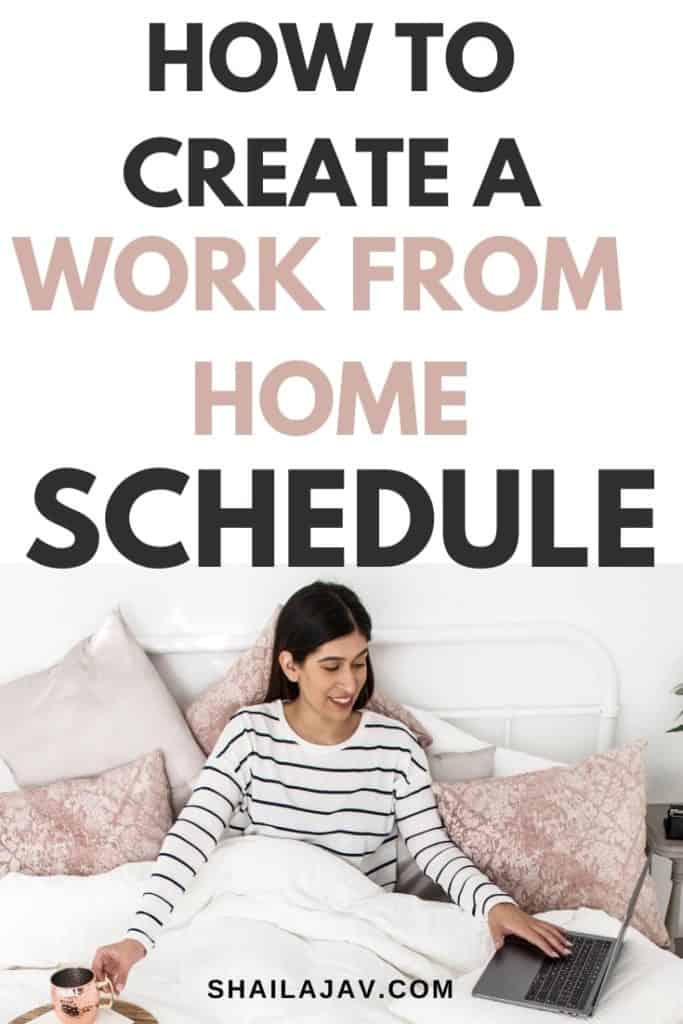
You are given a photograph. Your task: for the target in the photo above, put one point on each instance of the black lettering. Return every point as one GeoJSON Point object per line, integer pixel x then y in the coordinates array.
{"type": "Point", "coordinates": [199, 174]}
{"type": "Point", "coordinates": [544, 551]}
{"type": "Point", "coordinates": [258, 172]}
{"type": "Point", "coordinates": [505, 56]}
{"type": "Point", "coordinates": [506, 152]}
{"type": "Point", "coordinates": [326, 48]}
{"type": "Point", "coordinates": [370, 482]}
{"type": "Point", "coordinates": [132, 172]}
{"type": "Point", "coordinates": [118, 512]}
{"type": "Point", "coordinates": [218, 57]}
{"type": "Point", "coordinates": [506, 539]}
{"type": "Point", "coordinates": [303, 518]}
{"type": "Point", "coordinates": [216, 989]}
{"type": "Point", "coordinates": [419, 172]}
{"type": "Point", "coordinates": [159, 57]}
{"type": "Point", "coordinates": [379, 150]}
{"type": "Point", "coordinates": [236, 988]}
{"type": "Point", "coordinates": [322, 152]}
{"type": "Point", "coordinates": [418, 33]}
{"type": "Point", "coordinates": [260, 518]}
{"type": "Point", "coordinates": [85, 533]}
{"type": "Point", "coordinates": [613, 518]}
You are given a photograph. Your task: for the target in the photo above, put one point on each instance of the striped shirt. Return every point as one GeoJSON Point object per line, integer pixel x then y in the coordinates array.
{"type": "Point", "coordinates": [351, 798]}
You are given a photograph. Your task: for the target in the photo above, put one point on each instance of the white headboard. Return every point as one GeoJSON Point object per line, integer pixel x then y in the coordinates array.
{"type": "Point", "coordinates": [548, 688]}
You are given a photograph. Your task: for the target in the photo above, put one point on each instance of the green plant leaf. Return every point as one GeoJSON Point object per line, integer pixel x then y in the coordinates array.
{"type": "Point", "coordinates": [676, 728]}
{"type": "Point", "coordinates": [678, 689]}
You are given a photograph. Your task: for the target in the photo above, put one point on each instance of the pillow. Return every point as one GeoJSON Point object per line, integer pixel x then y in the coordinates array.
{"type": "Point", "coordinates": [561, 838]}
{"type": "Point", "coordinates": [246, 682]}
{"type": "Point", "coordinates": [7, 781]}
{"type": "Point", "coordinates": [87, 826]}
{"type": "Point", "coordinates": [392, 709]}
{"type": "Point", "coordinates": [462, 766]}
{"type": "Point", "coordinates": [515, 762]}
{"type": "Point", "coordinates": [104, 704]}
{"type": "Point", "coordinates": [445, 735]}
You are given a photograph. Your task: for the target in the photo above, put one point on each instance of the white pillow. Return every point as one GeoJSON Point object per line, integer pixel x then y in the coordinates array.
{"type": "Point", "coordinates": [7, 781]}
{"type": "Point", "coordinates": [446, 737]}
{"type": "Point", "coordinates": [102, 705]}
{"type": "Point", "coordinates": [517, 762]}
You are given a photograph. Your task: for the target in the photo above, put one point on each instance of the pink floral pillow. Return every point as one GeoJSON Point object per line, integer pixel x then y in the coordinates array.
{"type": "Point", "coordinates": [561, 838]}
{"type": "Point", "coordinates": [87, 826]}
{"type": "Point", "coordinates": [246, 682]}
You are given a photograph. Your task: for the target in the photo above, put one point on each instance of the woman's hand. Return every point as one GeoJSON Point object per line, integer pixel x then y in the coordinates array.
{"type": "Point", "coordinates": [508, 919]}
{"type": "Point", "coordinates": [116, 961]}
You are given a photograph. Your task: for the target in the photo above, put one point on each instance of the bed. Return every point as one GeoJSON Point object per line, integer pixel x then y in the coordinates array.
{"type": "Point", "coordinates": [282, 926]}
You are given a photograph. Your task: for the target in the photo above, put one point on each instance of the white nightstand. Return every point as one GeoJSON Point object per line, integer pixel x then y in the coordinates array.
{"type": "Point", "coordinates": [672, 849]}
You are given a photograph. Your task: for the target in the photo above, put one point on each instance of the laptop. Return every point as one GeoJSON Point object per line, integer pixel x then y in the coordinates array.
{"type": "Point", "coordinates": [523, 974]}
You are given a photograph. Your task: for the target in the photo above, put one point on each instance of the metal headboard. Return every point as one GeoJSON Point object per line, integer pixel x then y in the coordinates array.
{"type": "Point", "coordinates": [605, 707]}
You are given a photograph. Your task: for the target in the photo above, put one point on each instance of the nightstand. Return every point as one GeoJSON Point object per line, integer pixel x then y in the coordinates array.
{"type": "Point", "coordinates": [672, 849]}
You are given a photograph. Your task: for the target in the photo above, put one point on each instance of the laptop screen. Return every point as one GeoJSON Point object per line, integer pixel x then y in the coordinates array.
{"type": "Point", "coordinates": [622, 931]}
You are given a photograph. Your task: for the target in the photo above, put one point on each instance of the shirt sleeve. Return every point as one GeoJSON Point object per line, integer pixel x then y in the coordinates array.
{"type": "Point", "coordinates": [215, 797]}
{"type": "Point", "coordinates": [423, 831]}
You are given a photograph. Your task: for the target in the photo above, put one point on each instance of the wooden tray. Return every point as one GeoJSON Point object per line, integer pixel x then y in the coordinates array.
{"type": "Point", "coordinates": [130, 1010]}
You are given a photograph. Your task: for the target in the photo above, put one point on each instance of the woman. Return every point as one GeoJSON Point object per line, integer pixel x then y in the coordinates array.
{"type": "Point", "coordinates": [311, 764]}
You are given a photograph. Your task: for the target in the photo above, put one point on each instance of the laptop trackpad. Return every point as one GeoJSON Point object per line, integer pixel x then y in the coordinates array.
{"type": "Point", "coordinates": [511, 971]}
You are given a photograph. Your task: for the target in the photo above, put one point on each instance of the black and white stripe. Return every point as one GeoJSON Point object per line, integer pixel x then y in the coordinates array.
{"type": "Point", "coordinates": [350, 799]}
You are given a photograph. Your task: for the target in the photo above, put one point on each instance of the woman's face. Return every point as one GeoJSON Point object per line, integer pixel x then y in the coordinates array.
{"type": "Point", "coordinates": [331, 677]}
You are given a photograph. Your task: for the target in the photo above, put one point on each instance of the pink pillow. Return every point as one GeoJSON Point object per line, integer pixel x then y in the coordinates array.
{"type": "Point", "coordinates": [561, 838]}
{"type": "Point", "coordinates": [87, 826]}
{"type": "Point", "coordinates": [246, 683]}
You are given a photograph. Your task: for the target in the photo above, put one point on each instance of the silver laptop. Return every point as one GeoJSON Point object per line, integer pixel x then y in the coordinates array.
{"type": "Point", "coordinates": [523, 974]}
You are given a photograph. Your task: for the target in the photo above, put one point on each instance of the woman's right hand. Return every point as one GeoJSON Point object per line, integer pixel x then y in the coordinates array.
{"type": "Point", "coordinates": [115, 961]}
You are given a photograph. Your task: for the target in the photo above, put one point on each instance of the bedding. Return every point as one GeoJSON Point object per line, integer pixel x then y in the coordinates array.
{"type": "Point", "coordinates": [267, 909]}
{"type": "Point", "coordinates": [561, 837]}
{"type": "Point", "coordinates": [103, 705]}
{"type": "Point", "coordinates": [446, 737]}
{"type": "Point", "coordinates": [86, 826]}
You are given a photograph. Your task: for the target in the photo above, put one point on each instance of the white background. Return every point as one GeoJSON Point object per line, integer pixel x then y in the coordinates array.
{"type": "Point", "coordinates": [591, 103]}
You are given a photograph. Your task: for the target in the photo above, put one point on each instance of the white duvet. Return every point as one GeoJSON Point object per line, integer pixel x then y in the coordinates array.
{"type": "Point", "coordinates": [287, 924]}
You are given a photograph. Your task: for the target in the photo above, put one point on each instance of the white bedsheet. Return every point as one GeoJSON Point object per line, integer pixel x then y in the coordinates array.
{"type": "Point", "coordinates": [277, 909]}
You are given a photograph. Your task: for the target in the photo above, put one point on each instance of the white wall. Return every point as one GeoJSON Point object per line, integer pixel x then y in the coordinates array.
{"type": "Point", "coordinates": [635, 614]}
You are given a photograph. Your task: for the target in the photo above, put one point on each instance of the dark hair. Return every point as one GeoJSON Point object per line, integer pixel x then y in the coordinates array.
{"type": "Point", "coordinates": [312, 616]}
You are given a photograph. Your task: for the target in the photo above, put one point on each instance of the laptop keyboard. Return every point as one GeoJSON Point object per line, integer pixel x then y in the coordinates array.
{"type": "Point", "coordinates": [566, 982]}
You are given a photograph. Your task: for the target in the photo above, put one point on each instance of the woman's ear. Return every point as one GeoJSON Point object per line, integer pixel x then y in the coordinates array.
{"type": "Point", "coordinates": [286, 662]}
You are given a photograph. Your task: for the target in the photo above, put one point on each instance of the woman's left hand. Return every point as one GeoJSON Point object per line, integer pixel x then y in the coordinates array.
{"type": "Point", "coordinates": [508, 919]}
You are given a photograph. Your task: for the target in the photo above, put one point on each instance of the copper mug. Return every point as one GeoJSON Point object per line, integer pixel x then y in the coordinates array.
{"type": "Point", "coordinates": [77, 996]}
